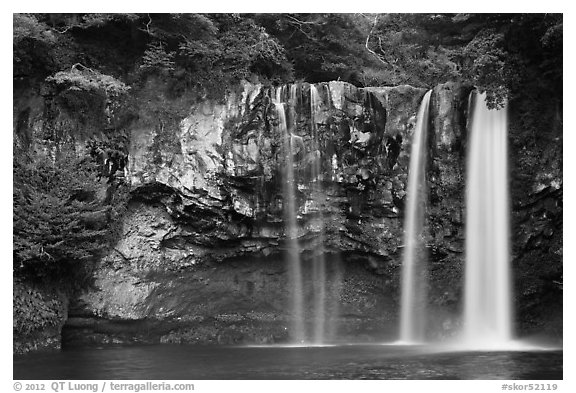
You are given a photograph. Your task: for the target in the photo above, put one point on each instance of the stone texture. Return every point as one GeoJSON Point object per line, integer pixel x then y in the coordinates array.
{"type": "Point", "coordinates": [210, 193]}
{"type": "Point", "coordinates": [200, 258]}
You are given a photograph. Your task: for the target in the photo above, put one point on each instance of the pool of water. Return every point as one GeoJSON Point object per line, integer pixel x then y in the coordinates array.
{"type": "Point", "coordinates": [256, 363]}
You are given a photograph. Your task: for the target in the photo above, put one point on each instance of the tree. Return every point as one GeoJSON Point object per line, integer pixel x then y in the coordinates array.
{"type": "Point", "coordinates": [59, 223]}
{"type": "Point", "coordinates": [32, 44]}
{"type": "Point", "coordinates": [505, 55]}
{"type": "Point", "coordinates": [321, 46]}
{"type": "Point", "coordinates": [415, 49]}
{"type": "Point", "coordinates": [157, 59]}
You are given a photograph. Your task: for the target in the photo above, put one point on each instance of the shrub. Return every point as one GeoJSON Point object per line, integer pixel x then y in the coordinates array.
{"type": "Point", "coordinates": [81, 78]}
{"type": "Point", "coordinates": [157, 59]}
{"type": "Point", "coordinates": [59, 224]}
{"type": "Point", "coordinates": [33, 310]}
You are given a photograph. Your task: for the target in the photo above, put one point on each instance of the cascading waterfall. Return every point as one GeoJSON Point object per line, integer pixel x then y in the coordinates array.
{"type": "Point", "coordinates": [319, 261]}
{"type": "Point", "coordinates": [413, 301]}
{"type": "Point", "coordinates": [487, 304]}
{"type": "Point", "coordinates": [289, 207]}
{"type": "Point", "coordinates": [316, 327]}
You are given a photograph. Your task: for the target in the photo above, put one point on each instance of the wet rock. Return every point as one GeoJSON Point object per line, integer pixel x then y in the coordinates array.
{"type": "Point", "coordinates": [206, 183]}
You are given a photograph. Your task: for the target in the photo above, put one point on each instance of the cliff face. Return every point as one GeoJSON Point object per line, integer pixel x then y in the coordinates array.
{"type": "Point", "coordinates": [204, 238]}
{"type": "Point", "coordinates": [201, 256]}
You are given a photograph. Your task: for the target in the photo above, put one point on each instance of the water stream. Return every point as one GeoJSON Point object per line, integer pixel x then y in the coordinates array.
{"type": "Point", "coordinates": [487, 300]}
{"type": "Point", "coordinates": [191, 362]}
{"type": "Point", "coordinates": [414, 272]}
{"type": "Point", "coordinates": [291, 225]}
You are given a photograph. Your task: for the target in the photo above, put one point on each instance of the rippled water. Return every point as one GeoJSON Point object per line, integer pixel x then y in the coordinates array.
{"type": "Point", "coordinates": [337, 362]}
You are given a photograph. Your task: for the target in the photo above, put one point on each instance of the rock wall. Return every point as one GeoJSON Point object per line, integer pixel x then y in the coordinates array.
{"type": "Point", "coordinates": [536, 157]}
{"type": "Point", "coordinates": [203, 242]}
{"type": "Point", "coordinates": [201, 254]}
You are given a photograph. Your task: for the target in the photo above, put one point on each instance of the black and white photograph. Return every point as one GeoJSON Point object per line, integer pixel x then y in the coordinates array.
{"type": "Point", "coordinates": [269, 196]}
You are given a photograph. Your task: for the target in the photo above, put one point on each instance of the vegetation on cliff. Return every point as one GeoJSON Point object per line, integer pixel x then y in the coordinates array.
{"type": "Point", "coordinates": [91, 70]}
{"type": "Point", "coordinates": [500, 53]}
{"type": "Point", "coordinates": [89, 60]}
{"type": "Point", "coordinates": [59, 220]}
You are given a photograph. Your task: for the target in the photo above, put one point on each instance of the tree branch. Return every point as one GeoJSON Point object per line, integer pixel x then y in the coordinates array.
{"type": "Point", "coordinates": [148, 26]}
{"type": "Point", "coordinates": [65, 29]}
{"type": "Point", "coordinates": [382, 60]}
{"type": "Point", "coordinates": [75, 67]}
{"type": "Point", "coordinates": [299, 23]}
{"type": "Point", "coordinates": [302, 22]}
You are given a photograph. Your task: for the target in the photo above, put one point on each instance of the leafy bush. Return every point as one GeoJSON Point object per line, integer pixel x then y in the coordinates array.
{"type": "Point", "coordinates": [27, 26]}
{"type": "Point", "coordinates": [32, 44]}
{"type": "Point", "coordinates": [33, 309]}
{"type": "Point", "coordinates": [81, 78]}
{"type": "Point", "coordinates": [90, 98]}
{"type": "Point", "coordinates": [321, 47]}
{"type": "Point", "coordinates": [210, 52]}
{"type": "Point", "coordinates": [485, 65]}
{"type": "Point", "coordinates": [157, 59]}
{"type": "Point", "coordinates": [230, 48]}
{"type": "Point", "coordinates": [59, 224]}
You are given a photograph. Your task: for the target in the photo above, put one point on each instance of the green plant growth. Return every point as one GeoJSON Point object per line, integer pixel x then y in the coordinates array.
{"type": "Point", "coordinates": [59, 224]}
{"type": "Point", "coordinates": [157, 59]}
{"type": "Point", "coordinates": [499, 53]}
{"type": "Point", "coordinates": [33, 310]}
{"type": "Point", "coordinates": [32, 44]}
{"type": "Point", "coordinates": [81, 78]}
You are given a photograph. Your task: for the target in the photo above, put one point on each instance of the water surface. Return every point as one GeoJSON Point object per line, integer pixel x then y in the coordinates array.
{"type": "Point", "coordinates": [187, 362]}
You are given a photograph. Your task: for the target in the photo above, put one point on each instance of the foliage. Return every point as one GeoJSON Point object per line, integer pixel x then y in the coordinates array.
{"type": "Point", "coordinates": [27, 26]}
{"type": "Point", "coordinates": [33, 310]}
{"type": "Point", "coordinates": [229, 48]}
{"type": "Point", "coordinates": [86, 79]}
{"type": "Point", "coordinates": [58, 222]}
{"type": "Point", "coordinates": [498, 53]}
{"type": "Point", "coordinates": [486, 64]}
{"type": "Point", "coordinates": [62, 220]}
{"type": "Point", "coordinates": [208, 52]}
{"type": "Point", "coordinates": [247, 46]}
{"type": "Point", "coordinates": [89, 97]}
{"type": "Point", "coordinates": [407, 46]}
{"type": "Point", "coordinates": [64, 22]}
{"type": "Point", "coordinates": [321, 46]}
{"type": "Point", "coordinates": [32, 43]}
{"type": "Point", "coordinates": [156, 59]}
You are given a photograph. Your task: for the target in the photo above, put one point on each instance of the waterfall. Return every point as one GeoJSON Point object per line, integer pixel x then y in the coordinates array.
{"type": "Point", "coordinates": [413, 300]}
{"type": "Point", "coordinates": [487, 304]}
{"type": "Point", "coordinates": [319, 262]}
{"type": "Point", "coordinates": [291, 226]}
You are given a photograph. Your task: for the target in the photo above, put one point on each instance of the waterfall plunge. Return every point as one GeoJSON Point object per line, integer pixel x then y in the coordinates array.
{"type": "Point", "coordinates": [413, 311]}
{"type": "Point", "coordinates": [289, 207]}
{"type": "Point", "coordinates": [318, 302]}
{"type": "Point", "coordinates": [487, 306]}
